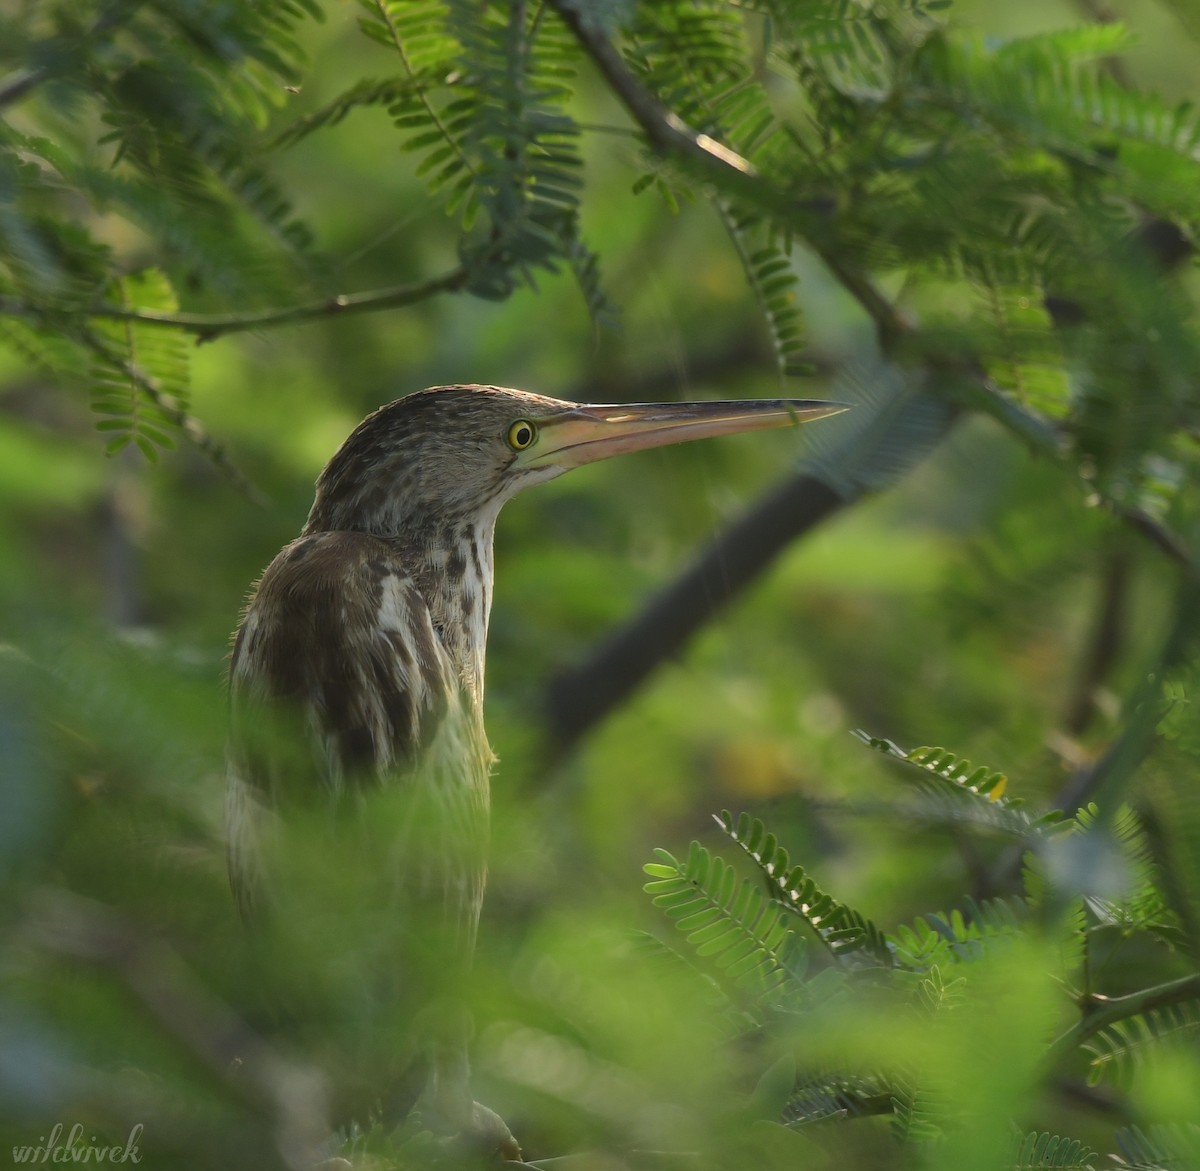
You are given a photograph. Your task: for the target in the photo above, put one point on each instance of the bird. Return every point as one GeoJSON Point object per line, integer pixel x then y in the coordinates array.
{"type": "Point", "coordinates": [366, 636]}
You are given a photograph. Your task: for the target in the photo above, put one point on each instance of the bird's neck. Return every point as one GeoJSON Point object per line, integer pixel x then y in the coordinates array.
{"type": "Point", "coordinates": [454, 574]}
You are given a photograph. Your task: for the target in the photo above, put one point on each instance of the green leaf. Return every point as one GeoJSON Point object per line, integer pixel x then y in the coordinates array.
{"type": "Point", "coordinates": [140, 372]}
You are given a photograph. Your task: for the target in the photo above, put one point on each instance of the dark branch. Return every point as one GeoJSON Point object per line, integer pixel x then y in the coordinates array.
{"type": "Point", "coordinates": [581, 697]}
{"type": "Point", "coordinates": [667, 132]}
{"type": "Point", "coordinates": [1104, 645]}
{"type": "Point", "coordinates": [16, 85]}
{"type": "Point", "coordinates": [1105, 779]}
{"type": "Point", "coordinates": [1161, 537]}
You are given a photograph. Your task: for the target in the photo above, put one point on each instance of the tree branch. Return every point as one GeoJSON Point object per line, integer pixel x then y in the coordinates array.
{"type": "Point", "coordinates": [1101, 1011]}
{"type": "Point", "coordinates": [671, 137]}
{"type": "Point", "coordinates": [1161, 537]}
{"type": "Point", "coordinates": [1102, 780]}
{"type": "Point", "coordinates": [207, 327]}
{"type": "Point", "coordinates": [579, 698]}
{"type": "Point", "coordinates": [667, 132]}
{"type": "Point", "coordinates": [16, 85]}
{"type": "Point", "coordinates": [1106, 639]}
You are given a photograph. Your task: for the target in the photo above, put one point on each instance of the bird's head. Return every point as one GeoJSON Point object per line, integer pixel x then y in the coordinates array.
{"type": "Point", "coordinates": [453, 455]}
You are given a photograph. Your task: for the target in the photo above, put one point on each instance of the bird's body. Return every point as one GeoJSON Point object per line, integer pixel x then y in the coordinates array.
{"type": "Point", "coordinates": [342, 629]}
{"type": "Point", "coordinates": [366, 635]}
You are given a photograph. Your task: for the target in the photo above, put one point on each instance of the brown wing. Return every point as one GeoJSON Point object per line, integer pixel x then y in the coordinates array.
{"type": "Point", "coordinates": [337, 680]}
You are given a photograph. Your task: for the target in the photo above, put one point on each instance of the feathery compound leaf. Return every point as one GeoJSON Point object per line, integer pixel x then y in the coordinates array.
{"type": "Point", "coordinates": [981, 781]}
{"type": "Point", "coordinates": [1121, 1049]}
{"type": "Point", "coordinates": [1144, 906]}
{"type": "Point", "coordinates": [188, 215]}
{"type": "Point", "coordinates": [133, 355]}
{"type": "Point", "coordinates": [1052, 1152]}
{"type": "Point", "coordinates": [958, 936]}
{"type": "Point", "coordinates": [486, 109]}
{"type": "Point", "coordinates": [436, 106]}
{"type": "Point", "coordinates": [844, 931]}
{"type": "Point", "coordinates": [894, 425]}
{"type": "Point", "coordinates": [184, 103]}
{"type": "Point", "coordinates": [918, 1112]}
{"type": "Point", "coordinates": [44, 257]}
{"type": "Point", "coordinates": [1027, 360]}
{"type": "Point", "coordinates": [836, 1095]}
{"type": "Point", "coordinates": [522, 142]}
{"type": "Point", "coordinates": [43, 348]}
{"type": "Point", "coordinates": [848, 44]}
{"type": "Point", "coordinates": [1159, 1148]}
{"type": "Point", "coordinates": [957, 792]}
{"type": "Point", "coordinates": [731, 925]}
{"type": "Point", "coordinates": [769, 271]}
{"type": "Point", "coordinates": [1047, 89]}
{"type": "Point", "coordinates": [697, 58]}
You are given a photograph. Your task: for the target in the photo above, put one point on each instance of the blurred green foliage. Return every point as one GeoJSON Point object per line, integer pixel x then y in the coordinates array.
{"type": "Point", "coordinates": [233, 229]}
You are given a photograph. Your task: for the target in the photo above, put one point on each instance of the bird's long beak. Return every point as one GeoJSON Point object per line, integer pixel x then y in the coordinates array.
{"type": "Point", "coordinates": [584, 434]}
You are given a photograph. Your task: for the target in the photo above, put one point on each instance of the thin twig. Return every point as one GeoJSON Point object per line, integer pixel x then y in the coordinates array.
{"type": "Point", "coordinates": [670, 136]}
{"type": "Point", "coordinates": [187, 423]}
{"type": "Point", "coordinates": [206, 327]}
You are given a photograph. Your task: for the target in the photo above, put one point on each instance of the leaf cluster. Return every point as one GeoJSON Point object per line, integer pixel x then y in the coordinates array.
{"type": "Point", "coordinates": [148, 115]}
{"type": "Point", "coordinates": [1017, 181]}
{"type": "Point", "coordinates": [929, 969]}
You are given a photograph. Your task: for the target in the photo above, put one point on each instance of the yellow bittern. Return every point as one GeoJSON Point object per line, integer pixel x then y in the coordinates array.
{"type": "Point", "coordinates": [371, 627]}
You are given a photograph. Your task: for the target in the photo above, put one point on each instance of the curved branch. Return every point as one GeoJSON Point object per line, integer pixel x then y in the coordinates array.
{"type": "Point", "coordinates": [1101, 1011]}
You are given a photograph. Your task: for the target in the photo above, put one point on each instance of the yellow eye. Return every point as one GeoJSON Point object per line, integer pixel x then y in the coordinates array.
{"type": "Point", "coordinates": [521, 435]}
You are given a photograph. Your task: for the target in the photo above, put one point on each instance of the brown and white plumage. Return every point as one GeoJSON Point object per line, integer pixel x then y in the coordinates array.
{"type": "Point", "coordinates": [366, 635]}
{"type": "Point", "coordinates": [340, 629]}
